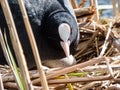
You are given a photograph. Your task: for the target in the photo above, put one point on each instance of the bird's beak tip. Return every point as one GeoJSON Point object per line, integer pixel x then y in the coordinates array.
{"type": "Point", "coordinates": [65, 47]}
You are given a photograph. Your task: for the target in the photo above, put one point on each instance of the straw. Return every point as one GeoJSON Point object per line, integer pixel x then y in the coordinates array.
{"type": "Point", "coordinates": [34, 46]}
{"type": "Point", "coordinates": [17, 46]}
{"type": "Point", "coordinates": [114, 7]}
{"type": "Point", "coordinates": [1, 83]}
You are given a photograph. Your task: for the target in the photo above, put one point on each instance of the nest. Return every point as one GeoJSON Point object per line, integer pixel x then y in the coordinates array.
{"type": "Point", "coordinates": [97, 56]}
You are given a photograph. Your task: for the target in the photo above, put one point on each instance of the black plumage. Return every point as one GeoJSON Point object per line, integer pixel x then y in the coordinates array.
{"type": "Point", "coordinates": [45, 17]}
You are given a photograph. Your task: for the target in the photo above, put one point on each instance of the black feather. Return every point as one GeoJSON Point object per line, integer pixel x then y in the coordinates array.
{"type": "Point", "coordinates": [45, 16]}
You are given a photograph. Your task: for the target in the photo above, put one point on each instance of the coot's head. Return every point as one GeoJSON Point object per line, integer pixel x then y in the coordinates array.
{"type": "Point", "coordinates": [62, 32]}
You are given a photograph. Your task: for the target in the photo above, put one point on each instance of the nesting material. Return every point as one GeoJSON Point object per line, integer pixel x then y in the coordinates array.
{"type": "Point", "coordinates": [60, 63]}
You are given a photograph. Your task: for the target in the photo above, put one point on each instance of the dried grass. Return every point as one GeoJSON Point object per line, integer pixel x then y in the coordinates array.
{"type": "Point", "coordinates": [98, 56]}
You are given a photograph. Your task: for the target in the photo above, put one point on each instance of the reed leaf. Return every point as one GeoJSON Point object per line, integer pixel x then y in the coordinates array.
{"type": "Point", "coordinates": [12, 64]}
{"type": "Point", "coordinates": [80, 74]}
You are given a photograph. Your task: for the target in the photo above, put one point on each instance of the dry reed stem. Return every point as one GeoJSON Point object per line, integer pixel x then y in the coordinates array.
{"type": "Point", "coordinates": [107, 77]}
{"type": "Point", "coordinates": [33, 45]}
{"type": "Point", "coordinates": [117, 80]}
{"type": "Point", "coordinates": [1, 83]}
{"type": "Point", "coordinates": [85, 11]}
{"type": "Point", "coordinates": [100, 68]}
{"type": "Point", "coordinates": [109, 67]}
{"type": "Point", "coordinates": [81, 3]}
{"type": "Point", "coordinates": [35, 74]}
{"type": "Point", "coordinates": [75, 67]}
{"type": "Point", "coordinates": [114, 7]}
{"type": "Point", "coordinates": [12, 85]}
{"type": "Point", "coordinates": [16, 45]}
{"type": "Point", "coordinates": [114, 87]}
{"type": "Point", "coordinates": [90, 85]}
{"type": "Point", "coordinates": [119, 6]}
{"type": "Point", "coordinates": [97, 17]}
{"type": "Point", "coordinates": [80, 79]}
{"type": "Point", "coordinates": [96, 40]}
{"type": "Point", "coordinates": [71, 69]}
{"type": "Point", "coordinates": [73, 2]}
{"type": "Point", "coordinates": [91, 2]}
{"type": "Point", "coordinates": [85, 79]}
{"type": "Point", "coordinates": [106, 40]}
{"type": "Point", "coordinates": [87, 45]}
{"type": "Point", "coordinates": [95, 4]}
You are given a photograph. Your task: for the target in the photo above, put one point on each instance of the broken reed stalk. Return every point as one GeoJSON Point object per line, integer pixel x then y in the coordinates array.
{"type": "Point", "coordinates": [34, 46]}
{"type": "Point", "coordinates": [16, 45]}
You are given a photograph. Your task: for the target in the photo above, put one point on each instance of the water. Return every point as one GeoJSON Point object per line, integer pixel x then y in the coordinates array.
{"type": "Point", "coordinates": [108, 13]}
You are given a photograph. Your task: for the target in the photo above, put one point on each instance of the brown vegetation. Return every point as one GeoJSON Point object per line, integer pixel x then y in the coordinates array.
{"type": "Point", "coordinates": [98, 56]}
